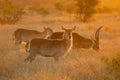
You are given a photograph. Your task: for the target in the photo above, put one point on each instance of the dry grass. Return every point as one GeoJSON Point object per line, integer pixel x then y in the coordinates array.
{"type": "Point", "coordinates": [84, 64]}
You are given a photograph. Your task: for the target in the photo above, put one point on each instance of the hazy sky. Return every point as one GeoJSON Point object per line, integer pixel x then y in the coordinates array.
{"type": "Point", "coordinates": [111, 3]}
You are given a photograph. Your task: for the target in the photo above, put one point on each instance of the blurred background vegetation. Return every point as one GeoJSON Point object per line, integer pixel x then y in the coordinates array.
{"type": "Point", "coordinates": [11, 11]}
{"type": "Point", "coordinates": [112, 67]}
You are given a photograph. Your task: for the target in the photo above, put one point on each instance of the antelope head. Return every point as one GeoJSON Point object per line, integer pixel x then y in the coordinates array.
{"type": "Point", "coordinates": [68, 34]}
{"type": "Point", "coordinates": [49, 31]}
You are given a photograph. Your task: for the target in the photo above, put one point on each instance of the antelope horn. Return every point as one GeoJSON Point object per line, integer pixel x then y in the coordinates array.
{"type": "Point", "coordinates": [97, 35]}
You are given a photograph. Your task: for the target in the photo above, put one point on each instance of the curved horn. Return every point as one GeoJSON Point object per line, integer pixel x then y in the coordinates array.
{"type": "Point", "coordinates": [97, 35]}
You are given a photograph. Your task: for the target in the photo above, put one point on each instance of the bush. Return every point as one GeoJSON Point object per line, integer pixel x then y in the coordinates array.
{"type": "Point", "coordinates": [113, 67]}
{"type": "Point", "coordinates": [59, 6]}
{"type": "Point", "coordinates": [9, 14]}
{"type": "Point", "coordinates": [66, 6]}
{"type": "Point", "coordinates": [39, 10]}
{"type": "Point", "coordinates": [86, 9]}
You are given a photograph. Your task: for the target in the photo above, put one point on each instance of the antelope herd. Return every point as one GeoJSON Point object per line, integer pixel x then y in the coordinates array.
{"type": "Point", "coordinates": [53, 44]}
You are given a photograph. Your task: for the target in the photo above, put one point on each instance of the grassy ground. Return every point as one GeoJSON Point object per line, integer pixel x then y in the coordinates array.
{"type": "Point", "coordinates": [84, 64]}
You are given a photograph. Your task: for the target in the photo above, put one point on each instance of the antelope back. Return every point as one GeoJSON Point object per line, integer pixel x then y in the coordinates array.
{"type": "Point", "coordinates": [27, 35]}
{"type": "Point", "coordinates": [78, 40]}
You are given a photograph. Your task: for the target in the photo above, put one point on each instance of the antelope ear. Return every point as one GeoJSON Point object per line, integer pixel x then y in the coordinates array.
{"type": "Point", "coordinates": [63, 28]}
{"type": "Point", "coordinates": [74, 28]}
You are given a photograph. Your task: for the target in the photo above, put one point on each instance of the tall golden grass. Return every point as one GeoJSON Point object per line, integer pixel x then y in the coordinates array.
{"type": "Point", "coordinates": [82, 64]}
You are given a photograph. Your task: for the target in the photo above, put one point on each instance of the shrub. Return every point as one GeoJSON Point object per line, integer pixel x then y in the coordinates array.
{"type": "Point", "coordinates": [113, 67]}
{"type": "Point", "coordinates": [86, 9]}
{"type": "Point", "coordinates": [65, 6]}
{"type": "Point", "coordinates": [59, 6]}
{"type": "Point", "coordinates": [9, 14]}
{"type": "Point", "coordinates": [39, 10]}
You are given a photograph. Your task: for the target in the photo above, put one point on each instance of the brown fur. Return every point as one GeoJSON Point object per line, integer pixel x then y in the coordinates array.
{"type": "Point", "coordinates": [27, 35]}
{"type": "Point", "coordinates": [80, 41]}
{"type": "Point", "coordinates": [50, 48]}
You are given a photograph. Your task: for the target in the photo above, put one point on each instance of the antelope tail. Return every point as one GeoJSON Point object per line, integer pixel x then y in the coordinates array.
{"type": "Point", "coordinates": [97, 35]}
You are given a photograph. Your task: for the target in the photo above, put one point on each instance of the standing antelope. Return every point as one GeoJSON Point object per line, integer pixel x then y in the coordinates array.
{"type": "Point", "coordinates": [80, 41]}
{"type": "Point", "coordinates": [50, 48]}
{"type": "Point", "coordinates": [27, 35]}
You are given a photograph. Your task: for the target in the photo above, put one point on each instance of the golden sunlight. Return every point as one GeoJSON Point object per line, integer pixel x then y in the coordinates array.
{"type": "Point", "coordinates": [111, 3]}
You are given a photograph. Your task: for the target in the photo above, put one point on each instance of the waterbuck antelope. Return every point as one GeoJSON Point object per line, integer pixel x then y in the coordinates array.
{"type": "Point", "coordinates": [26, 35]}
{"type": "Point", "coordinates": [49, 47]}
{"type": "Point", "coordinates": [80, 41]}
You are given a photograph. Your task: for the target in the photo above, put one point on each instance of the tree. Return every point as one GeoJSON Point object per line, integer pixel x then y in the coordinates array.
{"type": "Point", "coordinates": [86, 9]}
